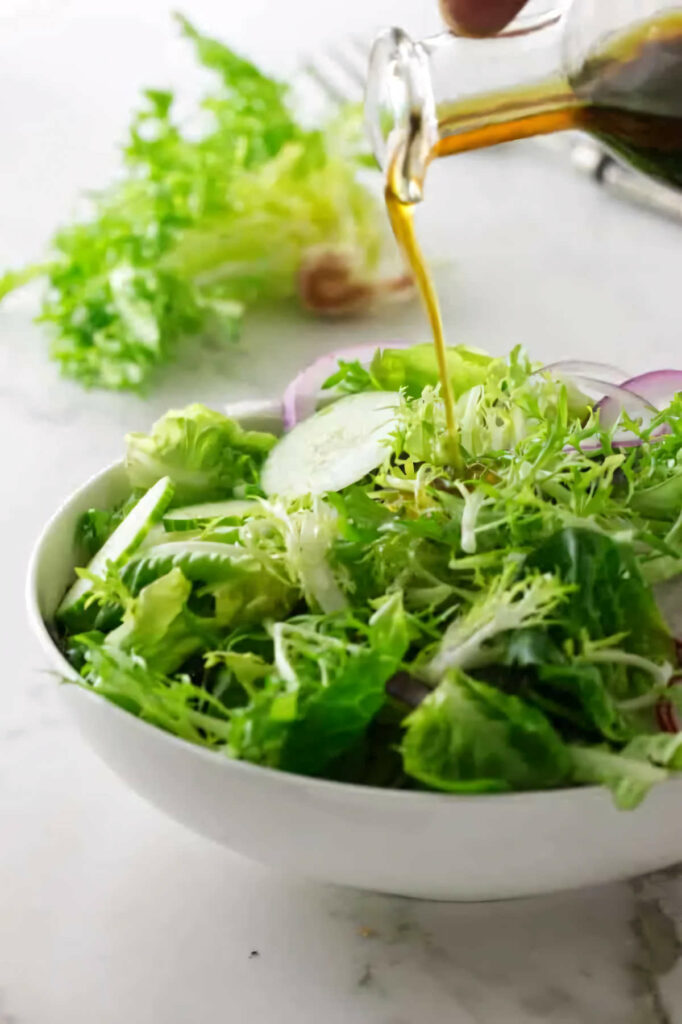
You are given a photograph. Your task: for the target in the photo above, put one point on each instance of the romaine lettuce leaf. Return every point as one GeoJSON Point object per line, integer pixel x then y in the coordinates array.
{"type": "Point", "coordinates": [609, 596]}
{"type": "Point", "coordinates": [201, 561]}
{"type": "Point", "coordinates": [335, 715]}
{"type": "Point", "coordinates": [325, 686]}
{"type": "Point", "coordinates": [467, 736]}
{"type": "Point", "coordinates": [584, 691]}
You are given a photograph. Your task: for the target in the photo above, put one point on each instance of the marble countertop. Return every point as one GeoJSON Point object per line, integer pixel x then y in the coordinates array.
{"type": "Point", "coordinates": [108, 911]}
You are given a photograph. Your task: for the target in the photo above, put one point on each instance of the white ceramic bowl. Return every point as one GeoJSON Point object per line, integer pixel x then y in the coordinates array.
{"type": "Point", "coordinates": [409, 843]}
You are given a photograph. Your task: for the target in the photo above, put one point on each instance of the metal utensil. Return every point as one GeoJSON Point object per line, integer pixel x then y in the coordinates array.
{"type": "Point", "coordinates": [340, 71]}
{"type": "Point", "coordinates": [591, 159]}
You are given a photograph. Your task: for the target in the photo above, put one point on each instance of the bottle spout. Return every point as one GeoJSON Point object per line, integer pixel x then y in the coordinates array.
{"type": "Point", "coordinates": [420, 95]}
{"type": "Point", "coordinates": [400, 112]}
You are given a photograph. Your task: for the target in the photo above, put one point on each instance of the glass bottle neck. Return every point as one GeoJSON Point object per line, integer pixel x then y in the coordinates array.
{"type": "Point", "coordinates": [544, 106]}
{"type": "Point", "coordinates": [449, 94]}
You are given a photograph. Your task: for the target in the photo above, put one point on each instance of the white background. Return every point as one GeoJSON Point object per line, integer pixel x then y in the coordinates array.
{"type": "Point", "coordinates": [111, 913]}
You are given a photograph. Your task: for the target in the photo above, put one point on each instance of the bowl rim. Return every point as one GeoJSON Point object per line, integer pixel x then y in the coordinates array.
{"type": "Point", "coordinates": [423, 798]}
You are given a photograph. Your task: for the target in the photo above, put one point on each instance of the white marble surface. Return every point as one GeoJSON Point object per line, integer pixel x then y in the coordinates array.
{"type": "Point", "coordinates": [108, 911]}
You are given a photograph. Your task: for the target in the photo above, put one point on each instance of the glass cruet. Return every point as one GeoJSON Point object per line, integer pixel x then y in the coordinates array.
{"type": "Point", "coordinates": [448, 93]}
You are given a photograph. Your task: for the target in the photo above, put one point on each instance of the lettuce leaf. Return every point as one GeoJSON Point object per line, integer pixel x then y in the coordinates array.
{"type": "Point", "coordinates": [467, 736]}
{"type": "Point", "coordinates": [338, 710]}
{"type": "Point", "coordinates": [158, 626]}
{"type": "Point", "coordinates": [584, 692]}
{"type": "Point", "coordinates": [171, 703]}
{"type": "Point", "coordinates": [628, 777]}
{"type": "Point", "coordinates": [213, 212]}
{"type": "Point", "coordinates": [253, 595]}
{"type": "Point", "coordinates": [414, 368]}
{"type": "Point", "coordinates": [206, 455]}
{"type": "Point", "coordinates": [609, 596]}
{"type": "Point", "coordinates": [335, 715]}
{"type": "Point", "coordinates": [326, 684]}
{"type": "Point", "coordinates": [506, 606]}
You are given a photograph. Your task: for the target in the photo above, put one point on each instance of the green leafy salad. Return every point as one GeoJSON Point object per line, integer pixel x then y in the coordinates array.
{"type": "Point", "coordinates": [234, 204]}
{"type": "Point", "coordinates": [341, 603]}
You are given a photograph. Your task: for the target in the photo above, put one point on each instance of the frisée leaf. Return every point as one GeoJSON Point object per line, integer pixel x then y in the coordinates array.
{"type": "Point", "coordinates": [214, 212]}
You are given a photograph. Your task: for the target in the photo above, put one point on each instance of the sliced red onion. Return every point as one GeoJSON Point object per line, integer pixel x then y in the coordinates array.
{"type": "Point", "coordinates": [657, 388]}
{"type": "Point", "coordinates": [602, 383]}
{"type": "Point", "coordinates": [666, 717]}
{"type": "Point", "coordinates": [614, 399]}
{"type": "Point", "coordinates": [584, 368]}
{"type": "Point", "coordinates": [666, 712]}
{"type": "Point", "coordinates": [407, 688]}
{"type": "Point", "coordinates": [301, 395]}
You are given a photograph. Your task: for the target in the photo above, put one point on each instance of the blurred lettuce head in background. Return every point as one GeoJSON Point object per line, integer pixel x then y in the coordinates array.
{"type": "Point", "coordinates": [252, 208]}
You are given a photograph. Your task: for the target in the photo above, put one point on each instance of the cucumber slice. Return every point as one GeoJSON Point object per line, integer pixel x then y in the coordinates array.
{"type": "Point", "coordinates": [196, 517]}
{"type": "Point", "coordinates": [334, 448]}
{"type": "Point", "coordinates": [125, 539]}
{"type": "Point", "coordinates": [199, 560]}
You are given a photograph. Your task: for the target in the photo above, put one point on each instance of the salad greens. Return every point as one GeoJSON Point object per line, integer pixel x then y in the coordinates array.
{"type": "Point", "coordinates": [205, 454]}
{"type": "Point", "coordinates": [236, 205]}
{"type": "Point", "coordinates": [495, 630]}
{"type": "Point", "coordinates": [415, 368]}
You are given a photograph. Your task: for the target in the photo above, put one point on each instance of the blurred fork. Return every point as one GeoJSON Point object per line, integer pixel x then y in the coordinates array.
{"type": "Point", "coordinates": [340, 73]}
